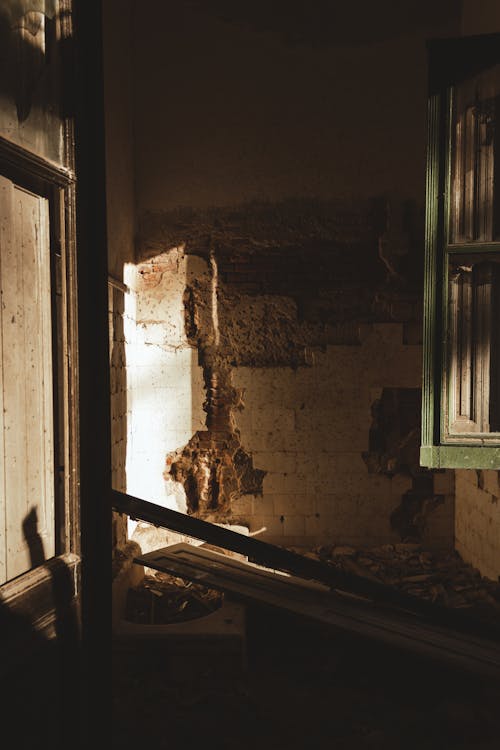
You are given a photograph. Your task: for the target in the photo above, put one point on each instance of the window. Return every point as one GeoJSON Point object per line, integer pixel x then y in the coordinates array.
{"type": "Point", "coordinates": [461, 381]}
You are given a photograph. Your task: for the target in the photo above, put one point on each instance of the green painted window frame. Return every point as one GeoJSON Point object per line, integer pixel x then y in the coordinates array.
{"type": "Point", "coordinates": [449, 62]}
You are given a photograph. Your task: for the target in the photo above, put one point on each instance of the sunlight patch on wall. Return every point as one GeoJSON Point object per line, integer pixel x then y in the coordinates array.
{"type": "Point", "coordinates": [165, 383]}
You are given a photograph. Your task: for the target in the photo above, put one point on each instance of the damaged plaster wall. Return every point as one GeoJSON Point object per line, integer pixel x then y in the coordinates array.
{"type": "Point", "coordinates": [303, 318]}
{"type": "Point", "coordinates": [300, 204]}
{"type": "Point", "coordinates": [166, 388]}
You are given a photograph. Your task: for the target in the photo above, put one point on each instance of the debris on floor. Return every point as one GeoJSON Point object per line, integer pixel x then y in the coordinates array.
{"type": "Point", "coordinates": [162, 599]}
{"type": "Point", "coordinates": [440, 577]}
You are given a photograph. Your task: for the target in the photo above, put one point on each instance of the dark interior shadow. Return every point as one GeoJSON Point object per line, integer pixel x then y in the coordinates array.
{"type": "Point", "coordinates": [36, 68]}
{"type": "Point", "coordinates": [327, 24]}
{"type": "Point", "coordinates": [40, 653]}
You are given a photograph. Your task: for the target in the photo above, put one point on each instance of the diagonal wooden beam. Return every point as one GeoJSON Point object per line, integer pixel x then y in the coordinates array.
{"type": "Point", "coordinates": [279, 558]}
{"type": "Point", "coordinates": [314, 604]}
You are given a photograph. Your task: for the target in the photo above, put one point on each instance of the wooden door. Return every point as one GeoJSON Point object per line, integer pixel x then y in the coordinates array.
{"type": "Point", "coordinates": [27, 496]}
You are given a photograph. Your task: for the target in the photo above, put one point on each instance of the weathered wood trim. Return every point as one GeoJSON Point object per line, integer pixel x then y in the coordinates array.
{"type": "Point", "coordinates": [57, 186]}
{"type": "Point", "coordinates": [460, 457]}
{"type": "Point", "coordinates": [24, 583]}
{"type": "Point", "coordinates": [117, 284]}
{"type": "Point", "coordinates": [14, 159]}
{"type": "Point", "coordinates": [31, 594]}
{"type": "Point", "coordinates": [431, 390]}
{"type": "Point", "coordinates": [449, 61]}
{"type": "Point", "coordinates": [71, 352]}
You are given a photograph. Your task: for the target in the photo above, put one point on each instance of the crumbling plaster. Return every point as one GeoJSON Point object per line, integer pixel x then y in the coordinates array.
{"type": "Point", "coordinates": [288, 384]}
{"type": "Point", "coordinates": [307, 237]}
{"type": "Point", "coordinates": [206, 146]}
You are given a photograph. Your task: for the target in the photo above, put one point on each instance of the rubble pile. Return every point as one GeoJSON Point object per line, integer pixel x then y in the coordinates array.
{"type": "Point", "coordinates": [440, 577]}
{"type": "Point", "coordinates": [443, 578]}
{"type": "Point", "coordinates": [162, 599]}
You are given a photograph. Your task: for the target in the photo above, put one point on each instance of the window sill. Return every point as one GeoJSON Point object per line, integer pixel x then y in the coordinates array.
{"type": "Point", "coordinates": [460, 457]}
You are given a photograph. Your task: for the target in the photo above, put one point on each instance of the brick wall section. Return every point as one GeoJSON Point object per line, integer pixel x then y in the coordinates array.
{"type": "Point", "coordinates": [340, 261]}
{"type": "Point", "coordinates": [477, 526]}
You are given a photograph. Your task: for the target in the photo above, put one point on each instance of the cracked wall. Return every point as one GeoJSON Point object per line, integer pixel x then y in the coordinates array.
{"type": "Point", "coordinates": [299, 327]}
{"type": "Point", "coordinates": [300, 205]}
{"type": "Point", "coordinates": [425, 514]}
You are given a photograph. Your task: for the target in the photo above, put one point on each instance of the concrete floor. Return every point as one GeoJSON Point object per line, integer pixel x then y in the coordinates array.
{"type": "Point", "coordinates": [301, 689]}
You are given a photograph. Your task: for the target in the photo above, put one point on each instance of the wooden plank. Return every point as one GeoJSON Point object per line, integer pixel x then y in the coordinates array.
{"type": "Point", "coordinates": [264, 553]}
{"type": "Point", "coordinates": [464, 331]}
{"type": "Point", "coordinates": [485, 180]}
{"type": "Point", "coordinates": [5, 242]}
{"type": "Point", "coordinates": [458, 188]}
{"type": "Point", "coordinates": [27, 384]}
{"type": "Point", "coordinates": [433, 214]}
{"type": "Point", "coordinates": [251, 584]}
{"type": "Point", "coordinates": [470, 218]}
{"type": "Point", "coordinates": [36, 283]}
{"type": "Point", "coordinates": [460, 360]}
{"type": "Point", "coordinates": [279, 558]}
{"type": "Point", "coordinates": [483, 281]}
{"type": "Point", "coordinates": [463, 456]}
{"type": "Point", "coordinates": [18, 560]}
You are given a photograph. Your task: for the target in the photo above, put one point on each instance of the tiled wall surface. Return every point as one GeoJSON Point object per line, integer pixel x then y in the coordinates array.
{"type": "Point", "coordinates": [307, 428]}
{"type": "Point", "coordinates": [477, 526]}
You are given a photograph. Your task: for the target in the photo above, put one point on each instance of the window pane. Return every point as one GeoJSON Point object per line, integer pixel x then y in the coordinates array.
{"type": "Point", "coordinates": [475, 159]}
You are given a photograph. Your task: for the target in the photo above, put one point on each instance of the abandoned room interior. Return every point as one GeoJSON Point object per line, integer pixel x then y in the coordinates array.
{"type": "Point", "coordinates": [250, 373]}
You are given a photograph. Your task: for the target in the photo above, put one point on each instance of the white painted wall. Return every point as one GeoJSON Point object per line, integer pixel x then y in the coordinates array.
{"type": "Point", "coordinates": [165, 382]}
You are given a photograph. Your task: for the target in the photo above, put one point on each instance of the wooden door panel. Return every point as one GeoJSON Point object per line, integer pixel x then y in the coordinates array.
{"type": "Point", "coordinates": [26, 422]}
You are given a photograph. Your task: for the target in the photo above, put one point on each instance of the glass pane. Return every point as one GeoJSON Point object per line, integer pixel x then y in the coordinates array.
{"type": "Point", "coordinates": [473, 343]}
{"type": "Point", "coordinates": [475, 159]}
